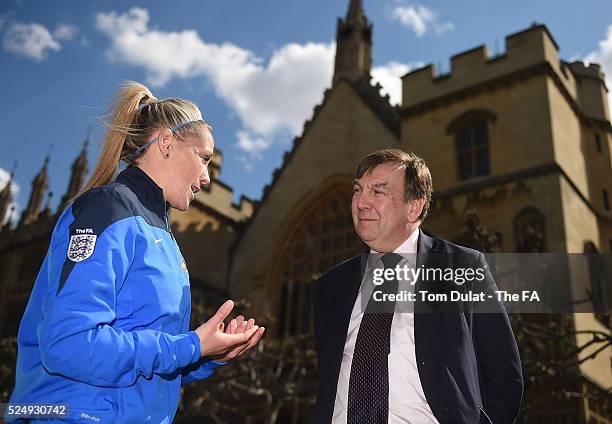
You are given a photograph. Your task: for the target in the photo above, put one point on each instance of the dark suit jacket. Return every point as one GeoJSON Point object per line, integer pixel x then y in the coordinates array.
{"type": "Point", "coordinates": [468, 362]}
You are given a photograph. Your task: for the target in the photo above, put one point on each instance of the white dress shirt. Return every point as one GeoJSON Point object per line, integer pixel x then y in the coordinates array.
{"type": "Point", "coordinates": [407, 403]}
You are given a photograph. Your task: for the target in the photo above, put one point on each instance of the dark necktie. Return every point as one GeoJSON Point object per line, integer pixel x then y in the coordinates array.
{"type": "Point", "coordinates": [368, 399]}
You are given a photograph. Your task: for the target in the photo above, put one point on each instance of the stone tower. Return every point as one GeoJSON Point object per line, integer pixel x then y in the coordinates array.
{"type": "Point", "coordinates": [40, 183]}
{"type": "Point", "coordinates": [78, 173]}
{"type": "Point", "coordinates": [353, 44]}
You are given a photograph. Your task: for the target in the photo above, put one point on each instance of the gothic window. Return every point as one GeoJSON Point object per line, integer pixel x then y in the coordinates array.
{"type": "Point", "coordinates": [598, 142]}
{"type": "Point", "coordinates": [471, 133]}
{"type": "Point", "coordinates": [321, 239]}
{"type": "Point", "coordinates": [599, 275]}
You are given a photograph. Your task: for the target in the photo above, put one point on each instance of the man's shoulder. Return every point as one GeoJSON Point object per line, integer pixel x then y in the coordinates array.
{"type": "Point", "coordinates": [465, 253]}
{"type": "Point", "coordinates": [342, 269]}
{"type": "Point", "coordinates": [344, 266]}
{"type": "Point", "coordinates": [457, 248]}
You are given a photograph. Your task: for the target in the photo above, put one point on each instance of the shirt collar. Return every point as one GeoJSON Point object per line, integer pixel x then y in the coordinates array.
{"type": "Point", "coordinates": [408, 247]}
{"type": "Point", "coordinates": [148, 192]}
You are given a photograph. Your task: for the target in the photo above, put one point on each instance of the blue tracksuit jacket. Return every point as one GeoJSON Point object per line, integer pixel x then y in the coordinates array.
{"type": "Point", "coordinates": [106, 329]}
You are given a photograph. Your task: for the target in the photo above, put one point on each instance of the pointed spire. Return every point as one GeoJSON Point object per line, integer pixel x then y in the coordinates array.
{"type": "Point", "coordinates": [355, 12]}
{"type": "Point", "coordinates": [47, 209]}
{"type": "Point", "coordinates": [78, 173]}
{"type": "Point", "coordinates": [81, 160]}
{"type": "Point", "coordinates": [40, 183]}
{"type": "Point", "coordinates": [353, 44]}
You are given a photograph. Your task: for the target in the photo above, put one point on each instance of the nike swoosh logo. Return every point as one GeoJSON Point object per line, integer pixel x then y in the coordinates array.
{"type": "Point", "coordinates": [158, 241]}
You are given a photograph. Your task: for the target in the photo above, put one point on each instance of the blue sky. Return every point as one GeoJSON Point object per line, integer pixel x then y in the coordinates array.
{"type": "Point", "coordinates": [256, 69]}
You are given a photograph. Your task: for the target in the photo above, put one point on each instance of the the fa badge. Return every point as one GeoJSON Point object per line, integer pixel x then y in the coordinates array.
{"type": "Point", "coordinates": [183, 264]}
{"type": "Point", "coordinates": [81, 247]}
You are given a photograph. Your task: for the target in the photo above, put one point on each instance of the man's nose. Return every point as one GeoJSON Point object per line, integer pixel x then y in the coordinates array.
{"type": "Point", "coordinates": [364, 200]}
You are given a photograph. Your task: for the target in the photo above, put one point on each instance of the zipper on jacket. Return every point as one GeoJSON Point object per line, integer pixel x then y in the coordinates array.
{"type": "Point", "coordinates": [166, 221]}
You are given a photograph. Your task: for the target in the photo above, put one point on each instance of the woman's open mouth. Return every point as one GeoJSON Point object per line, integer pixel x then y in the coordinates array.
{"type": "Point", "coordinates": [194, 190]}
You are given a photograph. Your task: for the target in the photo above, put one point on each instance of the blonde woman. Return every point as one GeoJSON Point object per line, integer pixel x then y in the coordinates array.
{"type": "Point", "coordinates": [106, 330]}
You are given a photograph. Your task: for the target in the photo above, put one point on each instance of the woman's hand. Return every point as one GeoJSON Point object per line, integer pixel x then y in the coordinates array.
{"type": "Point", "coordinates": [237, 326]}
{"type": "Point", "coordinates": [239, 336]}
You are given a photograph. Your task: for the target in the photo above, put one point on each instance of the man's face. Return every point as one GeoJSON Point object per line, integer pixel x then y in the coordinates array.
{"type": "Point", "coordinates": [381, 215]}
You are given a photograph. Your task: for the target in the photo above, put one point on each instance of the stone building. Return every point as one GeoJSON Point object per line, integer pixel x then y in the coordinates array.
{"type": "Point", "coordinates": [523, 137]}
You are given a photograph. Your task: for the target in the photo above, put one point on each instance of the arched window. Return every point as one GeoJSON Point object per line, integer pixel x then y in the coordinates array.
{"type": "Point", "coordinates": [600, 272]}
{"type": "Point", "coordinates": [471, 132]}
{"type": "Point", "coordinates": [323, 237]}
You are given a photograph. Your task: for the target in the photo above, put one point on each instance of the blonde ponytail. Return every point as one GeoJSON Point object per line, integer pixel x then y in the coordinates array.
{"type": "Point", "coordinates": [125, 107]}
{"type": "Point", "coordinates": [135, 112]}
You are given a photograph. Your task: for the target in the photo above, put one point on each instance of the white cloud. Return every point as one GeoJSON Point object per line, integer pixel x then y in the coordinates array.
{"type": "Point", "coordinates": [272, 100]}
{"type": "Point", "coordinates": [420, 19]}
{"type": "Point", "coordinates": [252, 143]}
{"type": "Point", "coordinates": [603, 56]}
{"type": "Point", "coordinates": [29, 40]}
{"type": "Point", "coordinates": [34, 40]}
{"type": "Point", "coordinates": [269, 99]}
{"type": "Point", "coordinates": [65, 32]}
{"type": "Point", "coordinates": [389, 76]}
{"type": "Point", "coordinates": [4, 177]}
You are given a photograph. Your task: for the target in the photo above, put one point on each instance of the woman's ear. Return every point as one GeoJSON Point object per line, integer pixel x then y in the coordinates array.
{"type": "Point", "coordinates": [165, 142]}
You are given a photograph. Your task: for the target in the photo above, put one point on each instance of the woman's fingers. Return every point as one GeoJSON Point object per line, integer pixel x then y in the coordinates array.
{"type": "Point", "coordinates": [234, 339]}
{"type": "Point", "coordinates": [239, 320]}
{"type": "Point", "coordinates": [239, 350]}
{"type": "Point", "coordinates": [253, 341]}
{"type": "Point", "coordinates": [223, 312]}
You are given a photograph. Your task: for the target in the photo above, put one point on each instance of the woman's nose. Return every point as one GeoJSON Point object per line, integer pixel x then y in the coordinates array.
{"type": "Point", "coordinates": [204, 178]}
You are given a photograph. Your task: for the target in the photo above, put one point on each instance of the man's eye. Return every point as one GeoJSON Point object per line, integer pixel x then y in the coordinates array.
{"type": "Point", "coordinates": [379, 192]}
{"type": "Point", "coordinates": [355, 189]}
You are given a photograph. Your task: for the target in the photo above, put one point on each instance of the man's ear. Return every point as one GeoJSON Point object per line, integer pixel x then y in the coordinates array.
{"type": "Point", "coordinates": [416, 207]}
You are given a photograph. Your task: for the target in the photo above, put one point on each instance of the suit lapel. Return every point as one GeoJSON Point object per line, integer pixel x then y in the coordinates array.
{"type": "Point", "coordinates": [350, 288]}
{"type": "Point", "coordinates": [428, 253]}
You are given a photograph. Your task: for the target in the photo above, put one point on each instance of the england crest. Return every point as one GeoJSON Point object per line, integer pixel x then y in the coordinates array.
{"type": "Point", "coordinates": [81, 247]}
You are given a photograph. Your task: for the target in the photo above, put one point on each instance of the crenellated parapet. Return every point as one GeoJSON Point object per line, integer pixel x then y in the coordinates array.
{"type": "Point", "coordinates": [529, 52]}
{"type": "Point", "coordinates": [592, 90]}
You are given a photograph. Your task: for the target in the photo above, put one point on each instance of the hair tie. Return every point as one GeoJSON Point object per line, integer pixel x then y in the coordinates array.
{"type": "Point", "coordinates": [143, 104]}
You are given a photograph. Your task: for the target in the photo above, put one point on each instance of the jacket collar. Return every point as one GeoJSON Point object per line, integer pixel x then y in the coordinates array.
{"type": "Point", "coordinates": [427, 244]}
{"type": "Point", "coordinates": [148, 192]}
